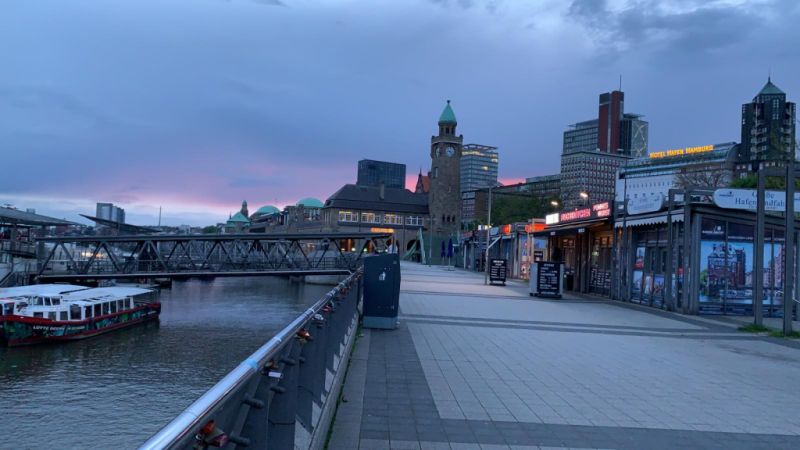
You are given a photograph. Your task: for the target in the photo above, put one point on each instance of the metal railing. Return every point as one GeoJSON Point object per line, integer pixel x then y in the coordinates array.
{"type": "Point", "coordinates": [292, 380]}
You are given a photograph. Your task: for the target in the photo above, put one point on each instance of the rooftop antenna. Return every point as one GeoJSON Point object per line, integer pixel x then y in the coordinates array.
{"type": "Point", "coordinates": [159, 216]}
{"type": "Point", "coordinates": [620, 82]}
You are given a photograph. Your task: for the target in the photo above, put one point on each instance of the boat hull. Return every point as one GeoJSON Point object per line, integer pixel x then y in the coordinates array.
{"type": "Point", "coordinates": [20, 330]}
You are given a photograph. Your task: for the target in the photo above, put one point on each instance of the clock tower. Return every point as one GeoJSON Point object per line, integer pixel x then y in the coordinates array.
{"type": "Point", "coordinates": [444, 197]}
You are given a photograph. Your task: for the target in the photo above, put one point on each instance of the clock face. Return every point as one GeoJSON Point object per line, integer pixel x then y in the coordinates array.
{"type": "Point", "coordinates": [450, 151]}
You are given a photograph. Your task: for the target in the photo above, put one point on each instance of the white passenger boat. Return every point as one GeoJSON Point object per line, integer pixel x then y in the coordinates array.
{"type": "Point", "coordinates": [54, 313]}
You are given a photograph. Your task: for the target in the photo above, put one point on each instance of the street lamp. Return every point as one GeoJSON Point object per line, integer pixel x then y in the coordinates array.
{"type": "Point", "coordinates": [554, 203]}
{"type": "Point", "coordinates": [585, 197]}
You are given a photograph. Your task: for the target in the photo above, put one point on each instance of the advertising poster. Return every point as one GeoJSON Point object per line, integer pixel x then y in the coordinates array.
{"type": "Point", "coordinates": [638, 260]}
{"type": "Point", "coordinates": [636, 286]}
{"type": "Point", "coordinates": [714, 272]}
{"type": "Point", "coordinates": [647, 287]}
{"type": "Point", "coordinates": [739, 253]}
{"type": "Point", "coordinates": [658, 290]}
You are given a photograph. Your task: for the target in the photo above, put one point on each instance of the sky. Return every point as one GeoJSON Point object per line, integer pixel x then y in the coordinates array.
{"type": "Point", "coordinates": [196, 105]}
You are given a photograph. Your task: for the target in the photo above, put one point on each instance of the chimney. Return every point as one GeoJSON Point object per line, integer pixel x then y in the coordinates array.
{"type": "Point", "coordinates": [382, 191]}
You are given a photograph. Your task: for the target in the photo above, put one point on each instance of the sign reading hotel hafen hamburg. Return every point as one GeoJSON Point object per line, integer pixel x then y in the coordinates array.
{"type": "Point", "coordinates": [746, 199]}
{"type": "Point", "coordinates": [681, 151]}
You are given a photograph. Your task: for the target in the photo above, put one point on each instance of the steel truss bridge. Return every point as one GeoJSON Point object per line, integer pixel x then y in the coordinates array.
{"type": "Point", "coordinates": [179, 256]}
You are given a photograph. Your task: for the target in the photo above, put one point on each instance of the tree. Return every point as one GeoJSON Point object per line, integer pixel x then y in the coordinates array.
{"type": "Point", "coordinates": [518, 208]}
{"type": "Point", "coordinates": [703, 179]}
{"type": "Point", "coordinates": [211, 229]}
{"type": "Point", "coordinates": [751, 182]}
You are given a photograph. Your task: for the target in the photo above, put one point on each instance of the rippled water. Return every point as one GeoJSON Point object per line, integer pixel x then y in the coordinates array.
{"type": "Point", "coordinates": [118, 389]}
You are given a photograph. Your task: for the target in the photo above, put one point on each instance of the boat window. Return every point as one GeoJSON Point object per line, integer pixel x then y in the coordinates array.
{"type": "Point", "coordinates": [97, 310]}
{"type": "Point", "coordinates": [51, 315]}
{"type": "Point", "coordinates": [56, 301]}
{"type": "Point", "coordinates": [38, 314]}
{"type": "Point", "coordinates": [7, 309]}
{"type": "Point", "coordinates": [130, 303]}
{"type": "Point", "coordinates": [75, 312]}
{"type": "Point", "coordinates": [120, 305]}
{"type": "Point", "coordinates": [38, 301]}
{"type": "Point", "coordinates": [113, 306]}
{"type": "Point", "coordinates": [47, 301]}
{"type": "Point", "coordinates": [105, 308]}
{"type": "Point", "coordinates": [87, 312]}
{"type": "Point", "coordinates": [62, 315]}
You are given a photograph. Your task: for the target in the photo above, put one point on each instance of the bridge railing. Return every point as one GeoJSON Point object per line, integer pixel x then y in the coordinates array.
{"type": "Point", "coordinates": [284, 394]}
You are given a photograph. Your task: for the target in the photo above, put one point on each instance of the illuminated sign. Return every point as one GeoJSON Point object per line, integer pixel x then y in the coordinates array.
{"type": "Point", "coordinates": [577, 214]}
{"type": "Point", "coordinates": [505, 229]}
{"type": "Point", "coordinates": [596, 210]}
{"type": "Point", "coordinates": [382, 230]}
{"type": "Point", "coordinates": [681, 151]}
{"type": "Point", "coordinates": [534, 227]}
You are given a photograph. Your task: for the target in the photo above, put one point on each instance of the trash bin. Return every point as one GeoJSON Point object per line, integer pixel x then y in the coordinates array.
{"type": "Point", "coordinates": [381, 291]}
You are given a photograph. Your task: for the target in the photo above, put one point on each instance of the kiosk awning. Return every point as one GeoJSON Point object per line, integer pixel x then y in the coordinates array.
{"type": "Point", "coordinates": [651, 220]}
{"type": "Point", "coordinates": [573, 227]}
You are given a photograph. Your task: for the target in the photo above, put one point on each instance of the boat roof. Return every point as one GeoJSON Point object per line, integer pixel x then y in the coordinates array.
{"type": "Point", "coordinates": [105, 294]}
{"type": "Point", "coordinates": [41, 290]}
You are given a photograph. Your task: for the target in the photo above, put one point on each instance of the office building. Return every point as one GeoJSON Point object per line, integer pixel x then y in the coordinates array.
{"type": "Point", "coordinates": [373, 173]}
{"type": "Point", "coordinates": [108, 211]}
{"type": "Point", "coordinates": [478, 167]}
{"type": "Point", "coordinates": [768, 126]}
{"type": "Point", "coordinates": [594, 150]}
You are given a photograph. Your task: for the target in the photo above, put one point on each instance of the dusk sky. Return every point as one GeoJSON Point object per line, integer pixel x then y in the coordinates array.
{"type": "Point", "coordinates": [195, 105]}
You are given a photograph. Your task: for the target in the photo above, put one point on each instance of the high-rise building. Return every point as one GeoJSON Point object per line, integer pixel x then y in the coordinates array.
{"type": "Point", "coordinates": [110, 212]}
{"type": "Point", "coordinates": [594, 150]}
{"type": "Point", "coordinates": [373, 173]}
{"type": "Point", "coordinates": [478, 167]}
{"type": "Point", "coordinates": [768, 126]}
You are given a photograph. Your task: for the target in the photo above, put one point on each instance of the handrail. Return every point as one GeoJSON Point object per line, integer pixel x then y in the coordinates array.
{"type": "Point", "coordinates": [193, 415]}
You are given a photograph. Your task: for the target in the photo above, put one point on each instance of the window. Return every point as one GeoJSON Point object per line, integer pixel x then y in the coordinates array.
{"type": "Point", "coordinates": [120, 305]}
{"type": "Point", "coordinates": [370, 218]}
{"type": "Point", "coordinates": [63, 315]}
{"type": "Point", "coordinates": [105, 308]}
{"type": "Point", "coordinates": [75, 312]}
{"type": "Point", "coordinates": [414, 220]}
{"type": "Point", "coordinates": [87, 312]}
{"type": "Point", "coordinates": [97, 310]}
{"type": "Point", "coordinates": [392, 219]}
{"type": "Point", "coordinates": [348, 216]}
{"type": "Point", "coordinates": [51, 315]}
{"type": "Point", "coordinates": [113, 306]}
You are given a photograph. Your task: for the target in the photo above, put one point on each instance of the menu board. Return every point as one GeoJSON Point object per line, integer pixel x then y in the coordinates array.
{"type": "Point", "coordinates": [548, 279]}
{"type": "Point", "coordinates": [497, 270]}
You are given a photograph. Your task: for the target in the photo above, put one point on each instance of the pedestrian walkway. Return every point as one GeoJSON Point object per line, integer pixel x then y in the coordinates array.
{"type": "Point", "coordinates": [488, 367]}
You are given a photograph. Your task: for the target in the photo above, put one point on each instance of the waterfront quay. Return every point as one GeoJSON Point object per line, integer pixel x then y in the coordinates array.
{"type": "Point", "coordinates": [489, 367]}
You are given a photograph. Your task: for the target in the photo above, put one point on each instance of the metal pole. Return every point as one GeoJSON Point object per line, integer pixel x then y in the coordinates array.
{"type": "Point", "coordinates": [688, 268]}
{"type": "Point", "coordinates": [430, 231]}
{"type": "Point", "coordinates": [758, 252]}
{"type": "Point", "coordinates": [788, 252]}
{"type": "Point", "coordinates": [670, 301]}
{"type": "Point", "coordinates": [488, 237]}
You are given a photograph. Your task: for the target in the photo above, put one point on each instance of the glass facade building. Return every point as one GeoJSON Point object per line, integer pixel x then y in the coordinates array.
{"type": "Point", "coordinates": [373, 173]}
{"type": "Point", "coordinates": [478, 167]}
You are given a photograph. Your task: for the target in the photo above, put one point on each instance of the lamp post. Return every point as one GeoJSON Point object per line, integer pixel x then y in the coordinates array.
{"type": "Point", "coordinates": [488, 237]}
{"type": "Point", "coordinates": [585, 197]}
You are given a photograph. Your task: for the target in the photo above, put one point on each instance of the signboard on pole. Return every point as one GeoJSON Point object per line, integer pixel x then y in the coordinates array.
{"type": "Point", "coordinates": [547, 279]}
{"type": "Point", "coordinates": [746, 199]}
{"type": "Point", "coordinates": [643, 205]}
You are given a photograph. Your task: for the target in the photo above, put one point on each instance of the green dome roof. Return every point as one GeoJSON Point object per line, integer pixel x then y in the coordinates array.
{"type": "Point", "coordinates": [238, 217]}
{"type": "Point", "coordinates": [310, 202]}
{"type": "Point", "coordinates": [770, 89]}
{"type": "Point", "coordinates": [448, 116]}
{"type": "Point", "coordinates": [268, 209]}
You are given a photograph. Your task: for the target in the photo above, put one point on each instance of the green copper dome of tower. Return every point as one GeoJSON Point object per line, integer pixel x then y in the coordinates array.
{"type": "Point", "coordinates": [448, 116]}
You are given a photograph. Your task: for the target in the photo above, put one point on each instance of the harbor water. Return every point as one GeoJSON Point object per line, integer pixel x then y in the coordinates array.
{"type": "Point", "coordinates": [115, 390]}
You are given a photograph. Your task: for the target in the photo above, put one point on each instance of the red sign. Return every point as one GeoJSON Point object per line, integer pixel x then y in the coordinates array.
{"type": "Point", "coordinates": [600, 206]}
{"type": "Point", "coordinates": [505, 229]}
{"type": "Point", "coordinates": [534, 227]}
{"type": "Point", "coordinates": [577, 214]}
{"type": "Point", "coordinates": [604, 213]}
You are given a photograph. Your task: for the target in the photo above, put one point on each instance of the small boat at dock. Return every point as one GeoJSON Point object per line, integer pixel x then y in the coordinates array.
{"type": "Point", "coordinates": [56, 313]}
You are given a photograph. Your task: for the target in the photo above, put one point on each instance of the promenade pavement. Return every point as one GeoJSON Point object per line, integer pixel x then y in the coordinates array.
{"type": "Point", "coordinates": [489, 367]}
